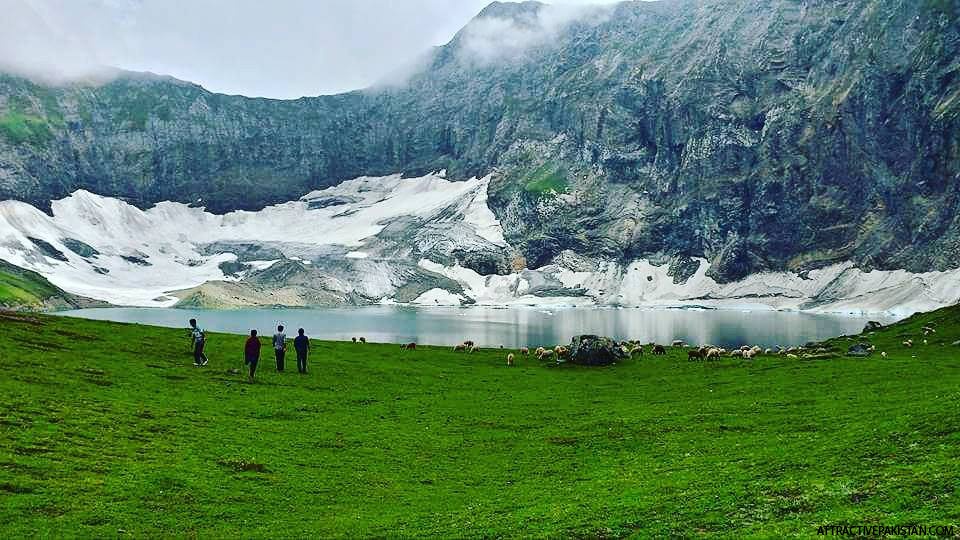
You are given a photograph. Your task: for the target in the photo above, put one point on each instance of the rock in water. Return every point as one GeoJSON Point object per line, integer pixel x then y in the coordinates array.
{"type": "Point", "coordinates": [589, 350]}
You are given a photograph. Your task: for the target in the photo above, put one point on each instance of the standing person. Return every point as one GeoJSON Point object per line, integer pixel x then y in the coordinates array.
{"type": "Point", "coordinates": [251, 352]}
{"type": "Point", "coordinates": [301, 344]}
{"type": "Point", "coordinates": [199, 340]}
{"type": "Point", "coordinates": [279, 346]}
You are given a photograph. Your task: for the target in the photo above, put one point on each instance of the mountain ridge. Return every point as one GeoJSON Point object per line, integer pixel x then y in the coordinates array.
{"type": "Point", "coordinates": [758, 135]}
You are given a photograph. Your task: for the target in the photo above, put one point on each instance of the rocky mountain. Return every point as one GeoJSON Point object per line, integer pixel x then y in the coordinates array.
{"type": "Point", "coordinates": [755, 135]}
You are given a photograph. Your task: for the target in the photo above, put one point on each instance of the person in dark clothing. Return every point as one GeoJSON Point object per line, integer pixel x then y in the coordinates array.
{"type": "Point", "coordinates": [251, 353]}
{"type": "Point", "coordinates": [301, 344]}
{"type": "Point", "coordinates": [199, 340]}
{"type": "Point", "coordinates": [279, 346]}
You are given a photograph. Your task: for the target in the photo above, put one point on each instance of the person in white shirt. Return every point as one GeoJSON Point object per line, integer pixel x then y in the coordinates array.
{"type": "Point", "coordinates": [279, 346]}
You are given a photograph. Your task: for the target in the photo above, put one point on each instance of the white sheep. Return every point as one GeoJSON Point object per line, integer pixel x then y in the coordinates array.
{"type": "Point", "coordinates": [510, 359]}
{"type": "Point", "coordinates": [524, 351]}
{"type": "Point", "coordinates": [883, 354]}
{"type": "Point", "coordinates": [748, 354]}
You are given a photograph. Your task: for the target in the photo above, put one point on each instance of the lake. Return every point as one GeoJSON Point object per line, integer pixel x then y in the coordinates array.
{"type": "Point", "coordinates": [510, 327]}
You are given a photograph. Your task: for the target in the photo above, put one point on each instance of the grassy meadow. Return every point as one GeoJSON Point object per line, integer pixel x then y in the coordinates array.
{"type": "Point", "coordinates": [107, 430]}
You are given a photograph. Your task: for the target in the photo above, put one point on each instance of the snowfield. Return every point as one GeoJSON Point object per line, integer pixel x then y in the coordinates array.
{"type": "Point", "coordinates": [375, 238]}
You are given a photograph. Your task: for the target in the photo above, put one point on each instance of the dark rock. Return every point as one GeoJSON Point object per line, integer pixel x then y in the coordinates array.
{"type": "Point", "coordinates": [860, 349]}
{"type": "Point", "coordinates": [589, 350]}
{"type": "Point", "coordinates": [872, 326]}
{"type": "Point", "coordinates": [80, 248]}
{"type": "Point", "coordinates": [47, 249]}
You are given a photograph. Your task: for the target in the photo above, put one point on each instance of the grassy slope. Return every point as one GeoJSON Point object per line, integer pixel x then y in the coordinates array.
{"type": "Point", "coordinates": [106, 427]}
{"type": "Point", "coordinates": [23, 288]}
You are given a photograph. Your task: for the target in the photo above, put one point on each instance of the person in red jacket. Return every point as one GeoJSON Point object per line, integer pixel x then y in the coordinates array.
{"type": "Point", "coordinates": [251, 352]}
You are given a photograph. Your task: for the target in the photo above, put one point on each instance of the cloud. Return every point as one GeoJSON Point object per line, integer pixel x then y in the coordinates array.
{"type": "Point", "coordinates": [496, 37]}
{"type": "Point", "coordinates": [281, 49]}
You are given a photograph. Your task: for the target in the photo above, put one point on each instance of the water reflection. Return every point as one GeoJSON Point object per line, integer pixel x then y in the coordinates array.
{"type": "Point", "coordinates": [511, 327]}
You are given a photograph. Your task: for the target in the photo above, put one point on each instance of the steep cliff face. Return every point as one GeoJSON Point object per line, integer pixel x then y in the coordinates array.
{"type": "Point", "coordinates": [756, 134]}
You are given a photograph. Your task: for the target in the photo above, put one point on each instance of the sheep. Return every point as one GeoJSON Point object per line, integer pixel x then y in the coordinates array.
{"type": "Point", "coordinates": [908, 343]}
{"type": "Point", "coordinates": [791, 355]}
{"type": "Point", "coordinates": [745, 348]}
{"type": "Point", "coordinates": [460, 347]}
{"type": "Point", "coordinates": [658, 350]}
{"type": "Point", "coordinates": [737, 352]}
{"type": "Point", "coordinates": [636, 350]}
{"type": "Point", "coordinates": [756, 349]}
{"type": "Point", "coordinates": [353, 339]}
{"type": "Point", "coordinates": [883, 354]}
{"type": "Point", "coordinates": [713, 353]}
{"type": "Point", "coordinates": [768, 351]}
{"type": "Point", "coordinates": [694, 354]}
{"type": "Point", "coordinates": [925, 342]}
{"type": "Point", "coordinates": [363, 339]}
{"type": "Point", "coordinates": [524, 351]}
{"type": "Point", "coordinates": [546, 354]}
{"type": "Point", "coordinates": [408, 347]}
{"type": "Point", "coordinates": [748, 355]}
{"type": "Point", "coordinates": [468, 343]}
{"type": "Point", "coordinates": [539, 351]}
{"type": "Point", "coordinates": [473, 349]}
{"type": "Point", "coordinates": [562, 352]}
{"type": "Point", "coordinates": [510, 359]}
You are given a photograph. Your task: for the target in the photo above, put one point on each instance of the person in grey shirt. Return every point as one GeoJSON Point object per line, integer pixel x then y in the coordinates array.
{"type": "Point", "coordinates": [279, 346]}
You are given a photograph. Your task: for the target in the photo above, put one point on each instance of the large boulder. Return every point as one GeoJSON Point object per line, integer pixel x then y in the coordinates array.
{"type": "Point", "coordinates": [589, 350]}
{"type": "Point", "coordinates": [872, 326]}
{"type": "Point", "coordinates": [860, 349]}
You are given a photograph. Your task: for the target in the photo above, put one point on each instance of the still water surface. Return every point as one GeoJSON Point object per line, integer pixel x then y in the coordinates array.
{"type": "Point", "coordinates": [512, 327]}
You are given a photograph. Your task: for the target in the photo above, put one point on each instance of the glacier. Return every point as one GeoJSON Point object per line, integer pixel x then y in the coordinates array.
{"type": "Point", "coordinates": [424, 240]}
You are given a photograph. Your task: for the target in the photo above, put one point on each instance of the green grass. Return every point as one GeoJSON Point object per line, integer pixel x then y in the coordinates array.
{"type": "Point", "coordinates": [546, 178]}
{"type": "Point", "coordinates": [19, 128]}
{"type": "Point", "coordinates": [106, 429]}
{"type": "Point", "coordinates": [23, 288]}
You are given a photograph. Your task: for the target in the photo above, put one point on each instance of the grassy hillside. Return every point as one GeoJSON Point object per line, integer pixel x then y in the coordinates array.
{"type": "Point", "coordinates": [23, 288]}
{"type": "Point", "coordinates": [106, 430]}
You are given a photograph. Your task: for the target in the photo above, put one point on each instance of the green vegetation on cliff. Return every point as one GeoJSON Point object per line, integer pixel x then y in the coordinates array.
{"type": "Point", "coordinates": [25, 289]}
{"type": "Point", "coordinates": [106, 429]}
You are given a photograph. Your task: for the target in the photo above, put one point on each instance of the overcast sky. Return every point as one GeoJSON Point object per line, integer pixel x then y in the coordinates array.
{"type": "Point", "coordinates": [277, 48]}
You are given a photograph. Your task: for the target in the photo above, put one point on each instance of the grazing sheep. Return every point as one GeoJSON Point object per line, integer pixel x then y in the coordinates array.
{"type": "Point", "coordinates": [524, 351]}
{"type": "Point", "coordinates": [658, 350]}
{"type": "Point", "coordinates": [756, 349]}
{"type": "Point", "coordinates": [713, 353]}
{"type": "Point", "coordinates": [562, 352]}
{"type": "Point", "coordinates": [636, 350]}
{"type": "Point", "coordinates": [539, 351]}
{"type": "Point", "coordinates": [791, 355]}
{"type": "Point", "coordinates": [694, 354]}
{"type": "Point", "coordinates": [546, 354]}
{"type": "Point", "coordinates": [768, 351]}
{"type": "Point", "coordinates": [409, 347]}
{"type": "Point", "coordinates": [883, 354]}
{"type": "Point", "coordinates": [363, 339]}
{"type": "Point", "coordinates": [925, 342]}
{"type": "Point", "coordinates": [460, 347]}
{"type": "Point", "coordinates": [737, 352]}
{"type": "Point", "coordinates": [908, 343]}
{"type": "Point", "coordinates": [468, 343]}
{"type": "Point", "coordinates": [353, 339]}
{"type": "Point", "coordinates": [510, 359]}
{"type": "Point", "coordinates": [748, 355]}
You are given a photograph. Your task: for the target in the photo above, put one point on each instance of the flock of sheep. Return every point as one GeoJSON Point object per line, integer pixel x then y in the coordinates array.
{"type": "Point", "coordinates": [634, 348]}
